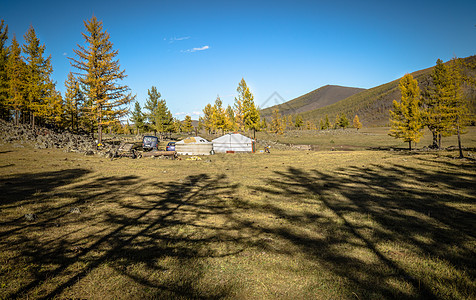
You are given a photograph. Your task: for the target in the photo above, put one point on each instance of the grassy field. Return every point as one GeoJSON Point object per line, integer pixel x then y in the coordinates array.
{"type": "Point", "coordinates": [363, 224]}
{"type": "Point", "coordinates": [364, 139]}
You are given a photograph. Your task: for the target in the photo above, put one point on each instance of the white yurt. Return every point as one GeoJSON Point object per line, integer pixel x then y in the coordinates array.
{"type": "Point", "coordinates": [194, 146]}
{"type": "Point", "coordinates": [233, 142]}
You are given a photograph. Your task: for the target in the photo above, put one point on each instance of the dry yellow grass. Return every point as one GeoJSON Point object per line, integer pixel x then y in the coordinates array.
{"type": "Point", "coordinates": [290, 224]}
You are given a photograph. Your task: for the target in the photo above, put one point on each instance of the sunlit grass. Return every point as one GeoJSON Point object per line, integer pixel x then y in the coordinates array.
{"type": "Point", "coordinates": [290, 224]}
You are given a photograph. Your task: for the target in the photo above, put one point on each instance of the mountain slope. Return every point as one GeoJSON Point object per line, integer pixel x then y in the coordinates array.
{"type": "Point", "coordinates": [372, 105]}
{"type": "Point", "coordinates": [321, 97]}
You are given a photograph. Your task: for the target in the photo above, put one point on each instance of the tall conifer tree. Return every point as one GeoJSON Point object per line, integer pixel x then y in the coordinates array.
{"type": "Point", "coordinates": [299, 122]}
{"type": "Point", "coordinates": [39, 87]}
{"type": "Point", "coordinates": [457, 102]}
{"type": "Point", "coordinates": [187, 124]}
{"type": "Point", "coordinates": [151, 105]}
{"type": "Point", "coordinates": [138, 117]}
{"type": "Point", "coordinates": [231, 120]}
{"type": "Point", "coordinates": [208, 118]}
{"type": "Point", "coordinates": [436, 111]}
{"type": "Point", "coordinates": [4, 107]}
{"type": "Point", "coordinates": [163, 117]}
{"type": "Point", "coordinates": [251, 116]}
{"type": "Point", "coordinates": [219, 119]}
{"type": "Point", "coordinates": [100, 74]}
{"type": "Point", "coordinates": [406, 118]}
{"type": "Point", "coordinates": [356, 122]}
{"type": "Point", "coordinates": [327, 124]}
{"type": "Point", "coordinates": [73, 102]}
{"type": "Point", "coordinates": [239, 109]}
{"type": "Point", "coordinates": [277, 123]}
{"type": "Point", "coordinates": [16, 69]}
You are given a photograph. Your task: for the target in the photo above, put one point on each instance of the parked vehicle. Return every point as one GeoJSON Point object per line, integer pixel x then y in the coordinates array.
{"type": "Point", "coordinates": [150, 143]}
{"type": "Point", "coordinates": [170, 146]}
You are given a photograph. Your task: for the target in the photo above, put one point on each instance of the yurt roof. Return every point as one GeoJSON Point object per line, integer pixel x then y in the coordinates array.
{"type": "Point", "coordinates": [194, 140]}
{"type": "Point", "coordinates": [233, 137]}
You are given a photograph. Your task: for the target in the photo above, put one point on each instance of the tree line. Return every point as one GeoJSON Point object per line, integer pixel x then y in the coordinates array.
{"type": "Point", "coordinates": [94, 97]}
{"type": "Point", "coordinates": [280, 123]}
{"type": "Point", "coordinates": [244, 115]}
{"type": "Point", "coordinates": [441, 106]}
{"type": "Point", "coordinates": [155, 116]}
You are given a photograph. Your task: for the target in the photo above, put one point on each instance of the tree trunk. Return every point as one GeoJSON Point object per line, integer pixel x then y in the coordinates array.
{"type": "Point", "coordinates": [99, 133]}
{"type": "Point", "coordinates": [100, 126]}
{"type": "Point", "coordinates": [72, 122]}
{"type": "Point", "coordinates": [459, 143]}
{"type": "Point", "coordinates": [410, 145]}
{"type": "Point", "coordinates": [439, 140]}
{"type": "Point", "coordinates": [434, 145]}
{"type": "Point", "coordinates": [33, 121]}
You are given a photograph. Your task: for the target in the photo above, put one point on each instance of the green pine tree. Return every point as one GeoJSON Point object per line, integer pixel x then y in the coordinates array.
{"type": "Point", "coordinates": [343, 121]}
{"type": "Point", "coordinates": [138, 118]}
{"type": "Point", "coordinates": [163, 117]}
{"type": "Point", "coordinates": [151, 105]}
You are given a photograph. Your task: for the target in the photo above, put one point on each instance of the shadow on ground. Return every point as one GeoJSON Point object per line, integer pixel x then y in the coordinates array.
{"type": "Point", "coordinates": [161, 235]}
{"type": "Point", "coordinates": [420, 213]}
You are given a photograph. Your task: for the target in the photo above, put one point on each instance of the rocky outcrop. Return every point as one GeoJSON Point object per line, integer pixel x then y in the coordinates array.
{"type": "Point", "coordinates": [45, 138]}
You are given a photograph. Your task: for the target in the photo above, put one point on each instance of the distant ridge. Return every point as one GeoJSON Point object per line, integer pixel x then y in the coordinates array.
{"type": "Point", "coordinates": [372, 105]}
{"type": "Point", "coordinates": [321, 97]}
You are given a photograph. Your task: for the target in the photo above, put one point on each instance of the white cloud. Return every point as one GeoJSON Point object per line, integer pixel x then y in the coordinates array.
{"type": "Point", "coordinates": [175, 39]}
{"type": "Point", "coordinates": [200, 49]}
{"type": "Point", "coordinates": [192, 114]}
{"type": "Point", "coordinates": [180, 38]}
{"type": "Point", "coordinates": [196, 49]}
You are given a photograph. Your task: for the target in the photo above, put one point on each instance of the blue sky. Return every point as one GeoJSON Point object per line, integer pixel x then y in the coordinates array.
{"type": "Point", "coordinates": [193, 51]}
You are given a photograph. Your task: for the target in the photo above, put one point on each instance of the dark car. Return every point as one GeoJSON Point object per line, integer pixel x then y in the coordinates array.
{"type": "Point", "coordinates": [150, 142]}
{"type": "Point", "coordinates": [170, 146]}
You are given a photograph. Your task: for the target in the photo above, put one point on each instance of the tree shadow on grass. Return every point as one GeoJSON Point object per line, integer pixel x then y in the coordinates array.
{"type": "Point", "coordinates": [127, 222]}
{"type": "Point", "coordinates": [372, 227]}
{"type": "Point", "coordinates": [401, 217]}
{"type": "Point", "coordinates": [26, 190]}
{"type": "Point", "coordinates": [19, 189]}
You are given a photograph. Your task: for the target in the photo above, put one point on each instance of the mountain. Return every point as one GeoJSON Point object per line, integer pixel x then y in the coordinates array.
{"type": "Point", "coordinates": [321, 97]}
{"type": "Point", "coordinates": [373, 105]}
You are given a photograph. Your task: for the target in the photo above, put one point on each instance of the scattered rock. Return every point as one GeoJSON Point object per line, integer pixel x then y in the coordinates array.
{"type": "Point", "coordinates": [75, 210]}
{"type": "Point", "coordinates": [46, 138]}
{"type": "Point", "coordinates": [30, 217]}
